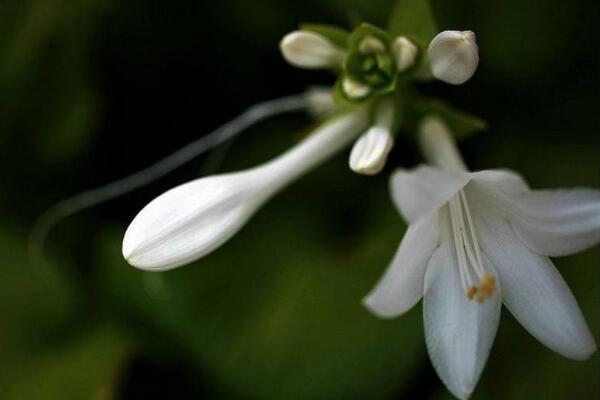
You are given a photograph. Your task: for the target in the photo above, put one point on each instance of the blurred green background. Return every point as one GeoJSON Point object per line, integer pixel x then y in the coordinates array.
{"type": "Point", "coordinates": [91, 90]}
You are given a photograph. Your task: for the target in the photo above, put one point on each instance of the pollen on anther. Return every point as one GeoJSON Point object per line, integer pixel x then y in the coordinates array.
{"type": "Point", "coordinates": [486, 288]}
{"type": "Point", "coordinates": [471, 292]}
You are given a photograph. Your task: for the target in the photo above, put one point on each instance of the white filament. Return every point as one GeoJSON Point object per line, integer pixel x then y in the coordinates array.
{"type": "Point", "coordinates": [466, 244]}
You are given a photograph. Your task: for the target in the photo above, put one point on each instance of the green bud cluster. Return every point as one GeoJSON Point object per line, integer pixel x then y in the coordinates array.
{"type": "Point", "coordinates": [369, 69]}
{"type": "Point", "coordinates": [369, 60]}
{"type": "Point", "coordinates": [375, 68]}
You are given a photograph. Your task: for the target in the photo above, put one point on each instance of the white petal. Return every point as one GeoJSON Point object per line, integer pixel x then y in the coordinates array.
{"type": "Point", "coordinates": [509, 182]}
{"type": "Point", "coordinates": [533, 289]}
{"type": "Point", "coordinates": [401, 287]}
{"type": "Point", "coordinates": [558, 222]}
{"type": "Point", "coordinates": [309, 50]}
{"type": "Point", "coordinates": [459, 332]}
{"type": "Point", "coordinates": [424, 190]}
{"type": "Point", "coordinates": [193, 219]}
{"type": "Point", "coordinates": [454, 56]}
{"type": "Point", "coordinates": [370, 151]}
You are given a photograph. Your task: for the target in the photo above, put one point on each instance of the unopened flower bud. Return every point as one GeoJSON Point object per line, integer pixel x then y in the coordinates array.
{"type": "Point", "coordinates": [405, 53]}
{"type": "Point", "coordinates": [371, 45]}
{"type": "Point", "coordinates": [310, 50]}
{"type": "Point", "coordinates": [454, 56]}
{"type": "Point", "coordinates": [193, 219]}
{"type": "Point", "coordinates": [354, 89]}
{"type": "Point", "coordinates": [438, 144]}
{"type": "Point", "coordinates": [320, 101]}
{"type": "Point", "coordinates": [370, 151]}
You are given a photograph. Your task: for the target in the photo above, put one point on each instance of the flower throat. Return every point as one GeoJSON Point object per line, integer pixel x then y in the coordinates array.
{"type": "Point", "coordinates": [476, 282]}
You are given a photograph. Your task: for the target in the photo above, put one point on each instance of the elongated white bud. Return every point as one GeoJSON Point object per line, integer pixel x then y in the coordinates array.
{"type": "Point", "coordinates": [438, 145]}
{"type": "Point", "coordinates": [193, 219]}
{"type": "Point", "coordinates": [405, 53]}
{"type": "Point", "coordinates": [369, 153]}
{"type": "Point", "coordinates": [454, 56]}
{"type": "Point", "coordinates": [310, 50]}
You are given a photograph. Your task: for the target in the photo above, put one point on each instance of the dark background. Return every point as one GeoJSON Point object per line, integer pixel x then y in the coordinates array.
{"type": "Point", "coordinates": [91, 90]}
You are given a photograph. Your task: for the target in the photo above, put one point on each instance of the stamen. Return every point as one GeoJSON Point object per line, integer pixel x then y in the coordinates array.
{"type": "Point", "coordinates": [468, 252]}
{"type": "Point", "coordinates": [472, 229]}
{"type": "Point", "coordinates": [459, 247]}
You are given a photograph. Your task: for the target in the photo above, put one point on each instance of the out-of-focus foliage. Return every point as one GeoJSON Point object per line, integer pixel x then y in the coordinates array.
{"type": "Point", "coordinates": [47, 353]}
{"type": "Point", "coordinates": [413, 18]}
{"type": "Point", "coordinates": [92, 90]}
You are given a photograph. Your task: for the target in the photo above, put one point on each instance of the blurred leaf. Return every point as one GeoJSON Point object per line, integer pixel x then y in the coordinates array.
{"type": "Point", "coordinates": [69, 131]}
{"type": "Point", "coordinates": [45, 67]}
{"type": "Point", "coordinates": [33, 301]}
{"type": "Point", "coordinates": [413, 18]}
{"type": "Point", "coordinates": [48, 359]}
{"type": "Point", "coordinates": [85, 367]}
{"type": "Point", "coordinates": [461, 123]}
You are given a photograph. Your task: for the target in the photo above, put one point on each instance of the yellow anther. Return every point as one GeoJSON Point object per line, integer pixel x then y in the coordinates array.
{"type": "Point", "coordinates": [487, 288]}
{"type": "Point", "coordinates": [488, 283]}
{"type": "Point", "coordinates": [471, 292]}
{"type": "Point", "coordinates": [484, 291]}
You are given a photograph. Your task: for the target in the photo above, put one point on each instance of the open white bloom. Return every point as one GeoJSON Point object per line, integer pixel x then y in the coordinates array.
{"type": "Point", "coordinates": [477, 240]}
{"type": "Point", "coordinates": [310, 50]}
{"type": "Point", "coordinates": [193, 219]}
{"type": "Point", "coordinates": [453, 56]}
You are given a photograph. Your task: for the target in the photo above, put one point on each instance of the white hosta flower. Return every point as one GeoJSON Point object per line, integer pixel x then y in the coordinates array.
{"type": "Point", "coordinates": [193, 219]}
{"type": "Point", "coordinates": [475, 241]}
{"type": "Point", "coordinates": [405, 53]}
{"type": "Point", "coordinates": [310, 50]}
{"type": "Point", "coordinates": [453, 56]}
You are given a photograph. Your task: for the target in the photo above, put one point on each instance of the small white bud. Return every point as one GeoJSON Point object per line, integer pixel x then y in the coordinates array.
{"type": "Point", "coordinates": [354, 89]}
{"type": "Point", "coordinates": [454, 56]}
{"type": "Point", "coordinates": [438, 144]}
{"type": "Point", "coordinates": [320, 101]}
{"type": "Point", "coordinates": [370, 151]}
{"type": "Point", "coordinates": [310, 50]}
{"type": "Point", "coordinates": [371, 45]}
{"type": "Point", "coordinates": [405, 53]}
